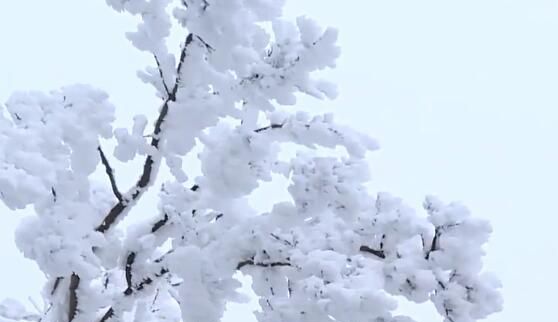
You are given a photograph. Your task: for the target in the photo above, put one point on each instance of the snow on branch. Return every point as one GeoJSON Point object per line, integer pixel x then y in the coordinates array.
{"type": "Point", "coordinates": [149, 165]}
{"type": "Point", "coordinates": [326, 248]}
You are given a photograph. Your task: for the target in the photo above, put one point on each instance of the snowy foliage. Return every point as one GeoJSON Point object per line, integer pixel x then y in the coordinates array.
{"type": "Point", "coordinates": [334, 252]}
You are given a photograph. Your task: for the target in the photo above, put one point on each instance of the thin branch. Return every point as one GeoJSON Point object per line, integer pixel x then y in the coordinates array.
{"type": "Point", "coordinates": [106, 281]}
{"type": "Point", "coordinates": [206, 45]}
{"type": "Point", "coordinates": [73, 300]}
{"type": "Point", "coordinates": [375, 252]}
{"type": "Point", "coordinates": [56, 284]}
{"type": "Point", "coordinates": [289, 288]}
{"type": "Point", "coordinates": [113, 215]}
{"type": "Point", "coordinates": [148, 280]}
{"type": "Point", "coordinates": [108, 314]}
{"type": "Point", "coordinates": [434, 246]}
{"type": "Point", "coordinates": [46, 312]}
{"type": "Point", "coordinates": [149, 165]}
{"type": "Point", "coordinates": [187, 42]}
{"type": "Point", "coordinates": [155, 299]}
{"type": "Point", "coordinates": [173, 294]}
{"type": "Point", "coordinates": [132, 256]}
{"type": "Point", "coordinates": [128, 270]}
{"type": "Point", "coordinates": [160, 223]}
{"type": "Point", "coordinates": [251, 262]}
{"type": "Point", "coordinates": [269, 127]}
{"type": "Point", "coordinates": [53, 192]}
{"type": "Point", "coordinates": [161, 74]}
{"type": "Point", "coordinates": [110, 174]}
{"type": "Point", "coordinates": [162, 258]}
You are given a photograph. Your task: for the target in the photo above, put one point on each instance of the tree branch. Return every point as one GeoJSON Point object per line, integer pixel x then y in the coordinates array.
{"type": "Point", "coordinates": [187, 42]}
{"type": "Point", "coordinates": [110, 174]}
{"type": "Point", "coordinates": [108, 314]}
{"type": "Point", "coordinates": [375, 252]}
{"type": "Point", "coordinates": [128, 271]}
{"type": "Point", "coordinates": [132, 256]}
{"type": "Point", "coordinates": [269, 127]}
{"type": "Point", "coordinates": [56, 284]}
{"type": "Point", "coordinates": [149, 165]}
{"type": "Point", "coordinates": [251, 262]}
{"type": "Point", "coordinates": [53, 192]}
{"type": "Point", "coordinates": [434, 246]}
{"type": "Point", "coordinates": [161, 74]}
{"type": "Point", "coordinates": [148, 280]}
{"type": "Point", "coordinates": [130, 289]}
{"type": "Point", "coordinates": [160, 223]}
{"type": "Point", "coordinates": [73, 300]}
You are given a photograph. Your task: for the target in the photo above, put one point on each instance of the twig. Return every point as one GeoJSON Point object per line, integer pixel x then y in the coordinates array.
{"type": "Point", "coordinates": [128, 271]}
{"type": "Point", "coordinates": [56, 284]}
{"type": "Point", "coordinates": [160, 223]}
{"type": "Point", "coordinates": [53, 192]}
{"type": "Point", "coordinates": [110, 174]}
{"type": "Point", "coordinates": [375, 252]}
{"type": "Point", "coordinates": [73, 301]}
{"type": "Point", "coordinates": [108, 314]}
{"type": "Point", "coordinates": [161, 74]}
{"type": "Point", "coordinates": [251, 262]}
{"type": "Point", "coordinates": [155, 299]}
{"type": "Point", "coordinates": [187, 42]}
{"type": "Point", "coordinates": [148, 280]}
{"type": "Point", "coordinates": [434, 246]}
{"type": "Point", "coordinates": [269, 127]}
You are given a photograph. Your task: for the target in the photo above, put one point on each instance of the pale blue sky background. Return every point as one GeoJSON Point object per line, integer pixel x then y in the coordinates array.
{"type": "Point", "coordinates": [461, 94]}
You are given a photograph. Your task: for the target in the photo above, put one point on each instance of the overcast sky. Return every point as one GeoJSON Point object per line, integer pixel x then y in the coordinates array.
{"type": "Point", "coordinates": [462, 95]}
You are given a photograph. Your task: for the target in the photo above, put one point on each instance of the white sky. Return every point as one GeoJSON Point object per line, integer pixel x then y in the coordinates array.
{"type": "Point", "coordinates": [461, 94]}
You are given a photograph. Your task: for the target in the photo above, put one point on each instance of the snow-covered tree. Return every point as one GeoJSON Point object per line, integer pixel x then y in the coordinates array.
{"type": "Point", "coordinates": [333, 252]}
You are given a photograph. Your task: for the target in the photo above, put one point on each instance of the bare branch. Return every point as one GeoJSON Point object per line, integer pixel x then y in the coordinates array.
{"type": "Point", "coordinates": [56, 284]}
{"type": "Point", "coordinates": [108, 314]}
{"type": "Point", "coordinates": [73, 300]}
{"type": "Point", "coordinates": [161, 74]}
{"type": "Point", "coordinates": [132, 257]}
{"type": "Point", "coordinates": [434, 246]}
{"type": "Point", "coordinates": [269, 127]}
{"type": "Point", "coordinates": [155, 300]}
{"type": "Point", "coordinates": [159, 224]}
{"type": "Point", "coordinates": [128, 270]}
{"type": "Point", "coordinates": [375, 252]}
{"type": "Point", "coordinates": [129, 290]}
{"type": "Point", "coordinates": [53, 192]}
{"type": "Point", "coordinates": [251, 262]}
{"type": "Point", "coordinates": [187, 42]}
{"type": "Point", "coordinates": [110, 174]}
{"type": "Point", "coordinates": [148, 280]}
